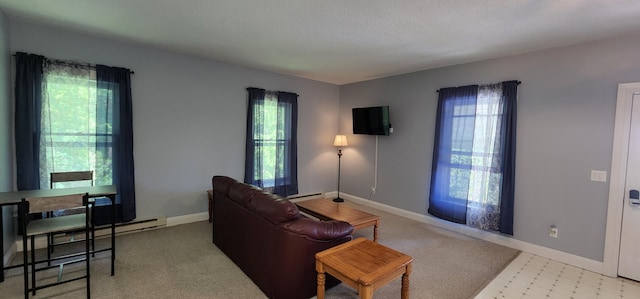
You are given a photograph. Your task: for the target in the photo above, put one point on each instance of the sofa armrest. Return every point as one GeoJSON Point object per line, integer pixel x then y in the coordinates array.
{"type": "Point", "coordinates": [319, 230]}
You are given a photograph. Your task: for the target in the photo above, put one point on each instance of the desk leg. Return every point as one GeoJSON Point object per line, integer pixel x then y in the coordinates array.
{"type": "Point", "coordinates": [1, 244]}
{"type": "Point", "coordinates": [321, 279]}
{"type": "Point", "coordinates": [404, 293]}
{"type": "Point", "coordinates": [113, 233]}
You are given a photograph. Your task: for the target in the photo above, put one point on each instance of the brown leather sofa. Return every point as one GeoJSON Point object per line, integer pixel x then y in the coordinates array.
{"type": "Point", "coordinates": [267, 237]}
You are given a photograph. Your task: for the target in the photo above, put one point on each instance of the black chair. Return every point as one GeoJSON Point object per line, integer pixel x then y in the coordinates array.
{"type": "Point", "coordinates": [45, 226]}
{"type": "Point", "coordinates": [56, 178]}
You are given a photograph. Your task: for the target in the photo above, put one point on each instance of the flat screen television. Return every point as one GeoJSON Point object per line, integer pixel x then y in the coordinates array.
{"type": "Point", "coordinates": [371, 120]}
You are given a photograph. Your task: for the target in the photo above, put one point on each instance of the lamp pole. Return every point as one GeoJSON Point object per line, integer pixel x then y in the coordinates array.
{"type": "Point", "coordinates": [338, 199]}
{"type": "Point", "coordinates": [339, 142]}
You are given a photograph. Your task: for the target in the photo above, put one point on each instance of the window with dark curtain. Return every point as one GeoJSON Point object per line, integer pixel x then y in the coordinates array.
{"type": "Point", "coordinates": [473, 172]}
{"type": "Point", "coordinates": [75, 117]}
{"type": "Point", "coordinates": [271, 141]}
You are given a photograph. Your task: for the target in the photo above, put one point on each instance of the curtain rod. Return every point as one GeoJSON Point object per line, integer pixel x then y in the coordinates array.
{"type": "Point", "coordinates": [519, 82]}
{"type": "Point", "coordinates": [75, 63]}
{"type": "Point", "coordinates": [266, 90]}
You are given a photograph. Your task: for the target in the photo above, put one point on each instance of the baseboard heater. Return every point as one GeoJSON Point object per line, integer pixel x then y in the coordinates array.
{"type": "Point", "coordinates": [299, 197]}
{"type": "Point", "coordinates": [133, 226]}
{"type": "Point", "coordinates": [105, 231]}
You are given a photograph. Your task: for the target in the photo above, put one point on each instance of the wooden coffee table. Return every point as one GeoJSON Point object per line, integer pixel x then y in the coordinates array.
{"type": "Point", "coordinates": [327, 209]}
{"type": "Point", "coordinates": [363, 265]}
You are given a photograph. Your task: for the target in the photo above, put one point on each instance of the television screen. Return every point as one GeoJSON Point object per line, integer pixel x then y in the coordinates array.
{"type": "Point", "coordinates": [371, 120]}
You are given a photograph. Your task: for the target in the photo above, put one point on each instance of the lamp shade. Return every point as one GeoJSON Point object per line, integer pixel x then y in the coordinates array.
{"type": "Point", "coordinates": [340, 141]}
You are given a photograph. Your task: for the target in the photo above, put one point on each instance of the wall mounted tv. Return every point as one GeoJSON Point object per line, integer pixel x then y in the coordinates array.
{"type": "Point", "coordinates": [371, 120]}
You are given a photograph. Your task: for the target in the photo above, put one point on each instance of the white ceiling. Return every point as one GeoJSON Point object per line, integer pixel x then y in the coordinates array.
{"type": "Point", "coordinates": [339, 41]}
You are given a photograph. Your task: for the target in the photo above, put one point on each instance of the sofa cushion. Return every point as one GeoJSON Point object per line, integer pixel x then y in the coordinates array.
{"type": "Point", "coordinates": [242, 193]}
{"type": "Point", "coordinates": [222, 184]}
{"type": "Point", "coordinates": [319, 230]}
{"type": "Point", "coordinates": [273, 208]}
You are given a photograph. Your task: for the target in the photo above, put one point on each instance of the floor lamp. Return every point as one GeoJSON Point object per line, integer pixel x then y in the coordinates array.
{"type": "Point", "coordinates": [340, 141]}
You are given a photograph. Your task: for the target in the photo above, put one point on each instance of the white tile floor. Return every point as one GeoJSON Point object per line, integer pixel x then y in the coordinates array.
{"type": "Point", "coordinates": [530, 276]}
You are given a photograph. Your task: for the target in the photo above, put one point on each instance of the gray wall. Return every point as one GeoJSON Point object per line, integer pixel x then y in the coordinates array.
{"type": "Point", "coordinates": [6, 162]}
{"type": "Point", "coordinates": [189, 117]}
{"type": "Point", "coordinates": [566, 107]}
{"type": "Point", "coordinates": [189, 122]}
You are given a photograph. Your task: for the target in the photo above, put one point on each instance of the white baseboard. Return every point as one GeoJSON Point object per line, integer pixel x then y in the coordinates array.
{"type": "Point", "coordinates": [184, 219]}
{"type": "Point", "coordinates": [556, 255]}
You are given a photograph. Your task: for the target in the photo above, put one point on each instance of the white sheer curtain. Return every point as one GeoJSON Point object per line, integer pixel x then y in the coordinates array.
{"type": "Point", "coordinates": [67, 142]}
{"type": "Point", "coordinates": [483, 205]}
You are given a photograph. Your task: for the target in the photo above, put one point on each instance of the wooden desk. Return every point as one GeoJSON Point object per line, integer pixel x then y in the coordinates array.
{"type": "Point", "coordinates": [363, 265]}
{"type": "Point", "coordinates": [327, 209]}
{"type": "Point", "coordinates": [15, 197]}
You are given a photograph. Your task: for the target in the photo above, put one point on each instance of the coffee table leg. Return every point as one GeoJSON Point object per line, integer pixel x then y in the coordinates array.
{"type": "Point", "coordinates": [365, 292]}
{"type": "Point", "coordinates": [375, 231]}
{"type": "Point", "coordinates": [404, 293]}
{"type": "Point", "coordinates": [321, 279]}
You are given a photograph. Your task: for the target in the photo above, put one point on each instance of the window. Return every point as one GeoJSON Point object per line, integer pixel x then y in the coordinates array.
{"type": "Point", "coordinates": [69, 139]}
{"type": "Point", "coordinates": [72, 117]}
{"type": "Point", "coordinates": [271, 150]}
{"type": "Point", "coordinates": [474, 156]}
{"type": "Point", "coordinates": [268, 140]}
{"type": "Point", "coordinates": [474, 148]}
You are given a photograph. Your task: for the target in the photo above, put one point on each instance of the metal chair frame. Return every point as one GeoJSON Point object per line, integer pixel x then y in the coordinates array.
{"type": "Point", "coordinates": [71, 176]}
{"type": "Point", "coordinates": [33, 228]}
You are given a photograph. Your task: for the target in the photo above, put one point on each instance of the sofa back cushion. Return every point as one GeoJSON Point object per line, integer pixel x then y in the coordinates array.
{"type": "Point", "coordinates": [273, 208]}
{"type": "Point", "coordinates": [222, 184]}
{"type": "Point", "coordinates": [319, 230]}
{"type": "Point", "coordinates": [242, 193]}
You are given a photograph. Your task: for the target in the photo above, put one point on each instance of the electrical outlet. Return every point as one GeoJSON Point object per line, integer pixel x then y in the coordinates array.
{"type": "Point", "coordinates": [553, 232]}
{"type": "Point", "coordinates": [373, 190]}
{"type": "Point", "coordinates": [598, 176]}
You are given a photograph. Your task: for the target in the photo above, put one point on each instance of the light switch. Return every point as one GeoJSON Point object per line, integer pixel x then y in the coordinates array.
{"type": "Point", "coordinates": [598, 176]}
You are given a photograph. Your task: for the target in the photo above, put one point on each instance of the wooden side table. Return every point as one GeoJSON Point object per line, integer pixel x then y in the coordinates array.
{"type": "Point", "coordinates": [364, 265]}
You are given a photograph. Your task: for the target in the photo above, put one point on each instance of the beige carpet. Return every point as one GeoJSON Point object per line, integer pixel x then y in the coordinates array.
{"type": "Point", "coordinates": [181, 262]}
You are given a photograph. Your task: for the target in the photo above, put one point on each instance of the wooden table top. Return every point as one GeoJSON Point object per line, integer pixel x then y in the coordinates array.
{"type": "Point", "coordinates": [363, 260]}
{"type": "Point", "coordinates": [327, 209]}
{"type": "Point", "coordinates": [14, 197]}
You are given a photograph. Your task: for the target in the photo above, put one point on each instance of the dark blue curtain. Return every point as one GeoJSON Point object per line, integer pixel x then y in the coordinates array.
{"type": "Point", "coordinates": [28, 105]}
{"type": "Point", "coordinates": [509, 125]}
{"type": "Point", "coordinates": [252, 157]}
{"type": "Point", "coordinates": [115, 125]}
{"type": "Point", "coordinates": [443, 203]}
{"type": "Point", "coordinates": [285, 177]}
{"type": "Point", "coordinates": [473, 172]}
{"type": "Point", "coordinates": [287, 155]}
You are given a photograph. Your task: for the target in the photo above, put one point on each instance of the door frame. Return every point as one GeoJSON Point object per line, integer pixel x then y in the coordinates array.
{"type": "Point", "coordinates": [622, 129]}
